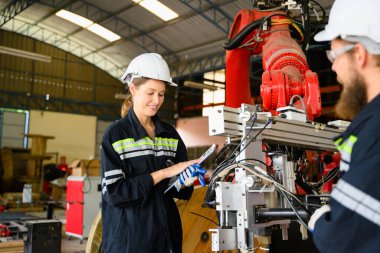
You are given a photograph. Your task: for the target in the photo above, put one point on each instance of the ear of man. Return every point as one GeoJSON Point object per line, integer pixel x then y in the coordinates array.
{"type": "Point", "coordinates": [361, 56]}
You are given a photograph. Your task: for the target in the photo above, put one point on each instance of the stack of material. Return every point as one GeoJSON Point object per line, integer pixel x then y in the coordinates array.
{"type": "Point", "coordinates": [14, 246]}
{"type": "Point", "coordinates": [86, 167]}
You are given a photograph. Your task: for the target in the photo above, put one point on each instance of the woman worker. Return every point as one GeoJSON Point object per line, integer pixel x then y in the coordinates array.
{"type": "Point", "coordinates": [139, 154]}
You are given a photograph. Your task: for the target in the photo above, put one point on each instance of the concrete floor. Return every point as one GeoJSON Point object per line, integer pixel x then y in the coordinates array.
{"type": "Point", "coordinates": [73, 245]}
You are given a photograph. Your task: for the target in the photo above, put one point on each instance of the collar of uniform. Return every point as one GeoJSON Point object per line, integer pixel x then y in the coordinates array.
{"type": "Point", "coordinates": [365, 114]}
{"type": "Point", "coordinates": [159, 127]}
{"type": "Point", "coordinates": [140, 131]}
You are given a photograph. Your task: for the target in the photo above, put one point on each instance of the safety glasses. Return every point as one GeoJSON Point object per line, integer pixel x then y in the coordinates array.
{"type": "Point", "coordinates": [333, 54]}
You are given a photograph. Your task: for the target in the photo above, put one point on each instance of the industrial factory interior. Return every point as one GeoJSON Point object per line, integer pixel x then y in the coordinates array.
{"type": "Point", "coordinates": [169, 126]}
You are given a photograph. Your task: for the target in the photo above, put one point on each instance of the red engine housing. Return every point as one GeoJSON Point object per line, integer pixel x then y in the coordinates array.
{"type": "Point", "coordinates": [286, 72]}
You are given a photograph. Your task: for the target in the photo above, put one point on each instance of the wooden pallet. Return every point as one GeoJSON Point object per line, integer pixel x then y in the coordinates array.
{"type": "Point", "coordinates": [11, 246]}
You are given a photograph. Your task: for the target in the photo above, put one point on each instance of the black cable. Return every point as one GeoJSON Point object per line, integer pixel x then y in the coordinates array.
{"type": "Point", "coordinates": [304, 185]}
{"type": "Point", "coordinates": [210, 192]}
{"type": "Point", "coordinates": [230, 44]}
{"type": "Point", "coordinates": [320, 166]}
{"type": "Point", "coordinates": [315, 205]}
{"type": "Point", "coordinates": [222, 152]}
{"type": "Point", "coordinates": [295, 211]}
{"type": "Point", "coordinates": [307, 30]}
{"type": "Point", "coordinates": [245, 137]}
{"type": "Point", "coordinates": [205, 218]}
{"type": "Point", "coordinates": [274, 179]}
{"type": "Point", "coordinates": [329, 176]}
{"type": "Point", "coordinates": [254, 138]}
{"type": "Point", "coordinates": [315, 188]}
{"type": "Point", "coordinates": [209, 199]}
{"type": "Point", "coordinates": [253, 159]}
{"type": "Point", "coordinates": [227, 162]}
{"type": "Point", "coordinates": [272, 15]}
{"type": "Point", "coordinates": [323, 17]}
{"type": "Point", "coordinates": [86, 178]}
{"type": "Point", "coordinates": [322, 9]}
{"type": "Point", "coordinates": [254, 118]}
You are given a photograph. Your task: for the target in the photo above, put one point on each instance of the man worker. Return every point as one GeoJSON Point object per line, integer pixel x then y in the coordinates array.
{"type": "Point", "coordinates": [351, 221]}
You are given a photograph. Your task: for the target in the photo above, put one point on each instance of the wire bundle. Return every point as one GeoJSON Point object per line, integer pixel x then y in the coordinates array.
{"type": "Point", "coordinates": [289, 22]}
{"type": "Point", "coordinates": [259, 172]}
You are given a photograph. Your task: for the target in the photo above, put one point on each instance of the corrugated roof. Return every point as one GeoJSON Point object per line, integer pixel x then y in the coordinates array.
{"type": "Point", "coordinates": [200, 29]}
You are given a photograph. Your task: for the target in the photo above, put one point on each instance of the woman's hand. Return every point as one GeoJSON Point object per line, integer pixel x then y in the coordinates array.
{"type": "Point", "coordinates": [171, 171]}
{"type": "Point", "coordinates": [189, 175]}
{"type": "Point", "coordinates": [178, 168]}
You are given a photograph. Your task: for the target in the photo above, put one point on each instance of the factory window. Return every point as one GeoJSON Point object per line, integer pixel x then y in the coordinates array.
{"type": "Point", "coordinates": [13, 126]}
{"type": "Point", "coordinates": [215, 96]}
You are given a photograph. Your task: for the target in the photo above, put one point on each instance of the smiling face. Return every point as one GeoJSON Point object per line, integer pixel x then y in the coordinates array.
{"type": "Point", "coordinates": [148, 97]}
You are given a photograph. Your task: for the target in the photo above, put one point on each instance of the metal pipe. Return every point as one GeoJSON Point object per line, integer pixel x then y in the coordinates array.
{"type": "Point", "coordinates": [280, 213]}
{"type": "Point", "coordinates": [221, 217]}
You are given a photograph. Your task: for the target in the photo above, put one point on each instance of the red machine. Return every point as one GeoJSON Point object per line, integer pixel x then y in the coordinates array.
{"type": "Point", "coordinates": [286, 72]}
{"type": "Point", "coordinates": [288, 88]}
{"type": "Point", "coordinates": [82, 204]}
{"type": "Point", "coordinates": [4, 230]}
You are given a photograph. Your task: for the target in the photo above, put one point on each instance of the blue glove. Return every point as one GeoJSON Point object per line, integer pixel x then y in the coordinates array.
{"type": "Point", "coordinates": [200, 173]}
{"type": "Point", "coordinates": [189, 175]}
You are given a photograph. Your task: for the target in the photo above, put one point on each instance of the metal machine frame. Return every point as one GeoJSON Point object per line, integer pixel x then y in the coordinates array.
{"type": "Point", "coordinates": [252, 203]}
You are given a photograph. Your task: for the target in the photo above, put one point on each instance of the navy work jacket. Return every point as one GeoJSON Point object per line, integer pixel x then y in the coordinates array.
{"type": "Point", "coordinates": [353, 225]}
{"type": "Point", "coordinates": [136, 215]}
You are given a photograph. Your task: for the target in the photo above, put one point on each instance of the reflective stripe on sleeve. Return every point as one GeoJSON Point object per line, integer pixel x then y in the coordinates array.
{"type": "Point", "coordinates": [345, 149]}
{"type": "Point", "coordinates": [113, 172]}
{"type": "Point", "coordinates": [357, 201]}
{"type": "Point", "coordinates": [111, 177]}
{"type": "Point", "coordinates": [343, 166]}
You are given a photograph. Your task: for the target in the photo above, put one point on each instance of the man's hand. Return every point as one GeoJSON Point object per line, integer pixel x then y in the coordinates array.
{"type": "Point", "coordinates": [189, 175]}
{"type": "Point", "coordinates": [317, 214]}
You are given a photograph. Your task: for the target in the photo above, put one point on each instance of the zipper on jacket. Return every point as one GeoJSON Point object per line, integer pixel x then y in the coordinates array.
{"type": "Point", "coordinates": [163, 205]}
{"type": "Point", "coordinates": [167, 228]}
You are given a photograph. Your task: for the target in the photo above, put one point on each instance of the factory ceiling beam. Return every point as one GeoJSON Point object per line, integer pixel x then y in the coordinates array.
{"type": "Point", "coordinates": [199, 65]}
{"type": "Point", "coordinates": [217, 17]}
{"type": "Point", "coordinates": [208, 9]}
{"type": "Point", "coordinates": [181, 18]}
{"type": "Point", "coordinates": [43, 34]}
{"type": "Point", "coordinates": [212, 12]}
{"type": "Point", "coordinates": [72, 46]}
{"type": "Point", "coordinates": [124, 29]}
{"type": "Point", "coordinates": [13, 9]}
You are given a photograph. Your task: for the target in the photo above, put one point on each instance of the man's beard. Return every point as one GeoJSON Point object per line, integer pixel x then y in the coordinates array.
{"type": "Point", "coordinates": [353, 98]}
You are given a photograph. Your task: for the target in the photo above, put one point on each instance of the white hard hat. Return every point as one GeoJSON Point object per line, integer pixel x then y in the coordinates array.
{"type": "Point", "coordinates": [356, 21]}
{"type": "Point", "coordinates": [148, 65]}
